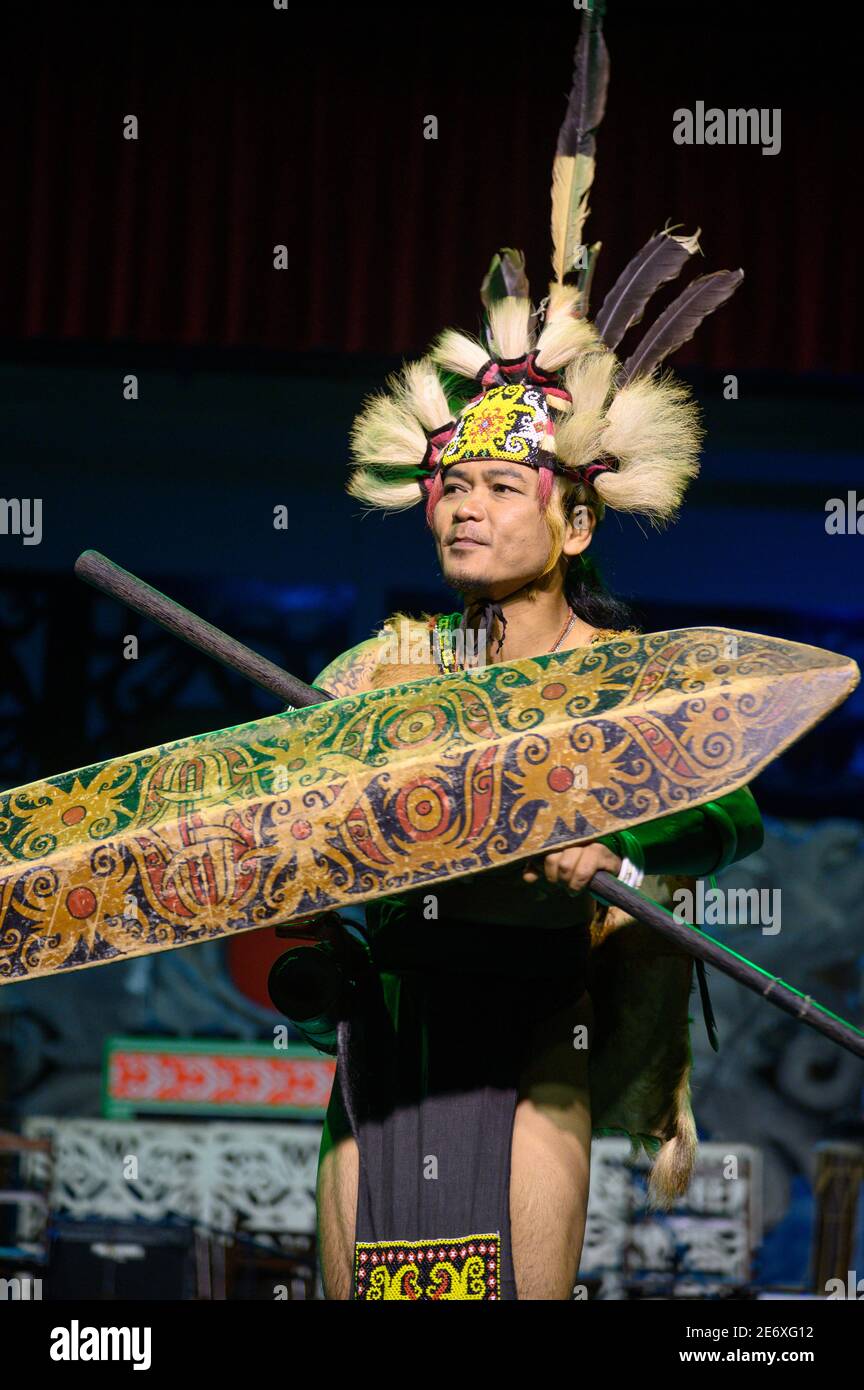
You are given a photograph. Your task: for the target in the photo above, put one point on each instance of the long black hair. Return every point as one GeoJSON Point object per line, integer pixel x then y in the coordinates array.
{"type": "Point", "coordinates": [586, 592]}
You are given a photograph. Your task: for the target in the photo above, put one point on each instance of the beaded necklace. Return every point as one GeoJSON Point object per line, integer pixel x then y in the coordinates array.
{"type": "Point", "coordinates": [443, 645]}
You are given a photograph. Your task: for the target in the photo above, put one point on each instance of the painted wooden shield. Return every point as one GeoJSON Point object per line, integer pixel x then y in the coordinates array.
{"type": "Point", "coordinates": [392, 789]}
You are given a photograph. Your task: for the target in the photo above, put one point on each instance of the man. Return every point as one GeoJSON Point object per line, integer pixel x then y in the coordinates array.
{"type": "Point", "coordinates": [496, 507]}
{"type": "Point", "coordinates": [552, 1130]}
{"type": "Point", "coordinates": [456, 1153]}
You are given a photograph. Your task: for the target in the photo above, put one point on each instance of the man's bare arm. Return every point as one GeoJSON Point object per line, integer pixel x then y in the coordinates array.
{"type": "Point", "coordinates": [352, 670]}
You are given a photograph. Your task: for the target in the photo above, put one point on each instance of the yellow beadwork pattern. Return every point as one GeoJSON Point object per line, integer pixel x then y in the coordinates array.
{"type": "Point", "coordinates": [508, 423]}
{"type": "Point", "coordinates": [467, 1267]}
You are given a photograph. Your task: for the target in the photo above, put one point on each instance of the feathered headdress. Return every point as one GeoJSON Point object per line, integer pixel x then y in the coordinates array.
{"type": "Point", "coordinates": [546, 389]}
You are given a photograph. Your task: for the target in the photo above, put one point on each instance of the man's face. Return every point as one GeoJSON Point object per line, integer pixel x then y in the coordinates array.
{"type": "Point", "coordinates": [488, 528]}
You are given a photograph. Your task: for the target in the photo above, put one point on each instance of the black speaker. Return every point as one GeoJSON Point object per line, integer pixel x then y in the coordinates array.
{"type": "Point", "coordinates": [119, 1260]}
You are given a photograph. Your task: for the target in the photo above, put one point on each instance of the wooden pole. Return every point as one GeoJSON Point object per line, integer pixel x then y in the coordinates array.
{"type": "Point", "coordinates": [96, 569]}
{"type": "Point", "coordinates": [801, 1006]}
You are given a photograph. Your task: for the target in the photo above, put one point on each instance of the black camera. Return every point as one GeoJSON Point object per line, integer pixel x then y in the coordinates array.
{"type": "Point", "coordinates": [317, 986]}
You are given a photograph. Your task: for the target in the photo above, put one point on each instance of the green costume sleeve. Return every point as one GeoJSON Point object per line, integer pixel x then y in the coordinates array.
{"type": "Point", "coordinates": [697, 841]}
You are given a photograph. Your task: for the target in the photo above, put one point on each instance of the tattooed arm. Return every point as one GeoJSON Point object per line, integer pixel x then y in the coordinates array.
{"type": "Point", "coordinates": [351, 671]}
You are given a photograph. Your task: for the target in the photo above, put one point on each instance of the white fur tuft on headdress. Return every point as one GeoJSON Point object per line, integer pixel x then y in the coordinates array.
{"type": "Point", "coordinates": [562, 339]}
{"type": "Point", "coordinates": [387, 432]}
{"type": "Point", "coordinates": [458, 353]}
{"type": "Point", "coordinates": [369, 486]}
{"type": "Point", "coordinates": [418, 389]}
{"type": "Point", "coordinates": [653, 430]}
{"type": "Point", "coordinates": [578, 432]}
{"type": "Point", "coordinates": [508, 321]}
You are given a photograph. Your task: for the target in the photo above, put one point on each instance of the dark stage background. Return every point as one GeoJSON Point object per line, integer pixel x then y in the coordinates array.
{"type": "Point", "coordinates": [154, 257]}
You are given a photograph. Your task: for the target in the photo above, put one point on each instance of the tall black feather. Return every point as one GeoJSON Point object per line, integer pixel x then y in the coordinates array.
{"type": "Point", "coordinates": [661, 259]}
{"type": "Point", "coordinates": [678, 323]}
{"type": "Point", "coordinates": [586, 106]}
{"type": "Point", "coordinates": [587, 102]}
{"type": "Point", "coordinates": [505, 277]}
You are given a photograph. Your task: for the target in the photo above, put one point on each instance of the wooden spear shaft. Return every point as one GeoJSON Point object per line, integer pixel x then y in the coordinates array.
{"type": "Point", "coordinates": [103, 574]}
{"type": "Point", "coordinates": [96, 569]}
{"type": "Point", "coordinates": [801, 1006]}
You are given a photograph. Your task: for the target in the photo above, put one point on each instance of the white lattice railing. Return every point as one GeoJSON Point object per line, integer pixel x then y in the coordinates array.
{"type": "Point", "coordinates": [261, 1177]}
{"type": "Point", "coordinates": [218, 1175]}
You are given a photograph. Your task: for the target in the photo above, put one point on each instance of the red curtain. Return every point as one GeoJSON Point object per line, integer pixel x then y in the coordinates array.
{"type": "Point", "coordinates": [259, 128]}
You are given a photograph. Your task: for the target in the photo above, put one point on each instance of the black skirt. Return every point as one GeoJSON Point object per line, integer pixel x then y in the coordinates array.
{"type": "Point", "coordinates": [427, 1081]}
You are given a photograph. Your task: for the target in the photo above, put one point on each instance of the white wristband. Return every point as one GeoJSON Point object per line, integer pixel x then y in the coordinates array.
{"type": "Point", "coordinates": [631, 874]}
